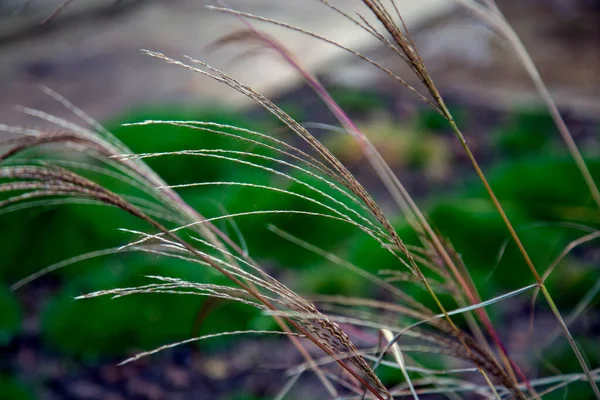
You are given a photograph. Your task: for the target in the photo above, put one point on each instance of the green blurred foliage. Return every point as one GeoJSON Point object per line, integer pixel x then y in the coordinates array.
{"type": "Point", "coordinates": [547, 188]}
{"type": "Point", "coordinates": [367, 253]}
{"type": "Point", "coordinates": [479, 236]}
{"type": "Point", "coordinates": [103, 326]}
{"type": "Point", "coordinates": [184, 169]}
{"type": "Point", "coordinates": [328, 279]}
{"type": "Point", "coordinates": [11, 389]}
{"type": "Point", "coordinates": [575, 390]}
{"type": "Point", "coordinates": [358, 102]}
{"type": "Point", "coordinates": [10, 315]}
{"type": "Point", "coordinates": [546, 201]}
{"type": "Point", "coordinates": [13, 230]}
{"type": "Point", "coordinates": [24, 254]}
{"type": "Point", "coordinates": [429, 120]}
{"type": "Point", "coordinates": [539, 194]}
{"type": "Point", "coordinates": [403, 145]}
{"type": "Point", "coordinates": [70, 237]}
{"type": "Point", "coordinates": [268, 245]}
{"type": "Point", "coordinates": [559, 354]}
{"type": "Point", "coordinates": [525, 133]}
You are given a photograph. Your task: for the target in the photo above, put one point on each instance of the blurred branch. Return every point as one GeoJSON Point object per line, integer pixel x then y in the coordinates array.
{"type": "Point", "coordinates": [56, 11]}
{"type": "Point", "coordinates": [24, 23]}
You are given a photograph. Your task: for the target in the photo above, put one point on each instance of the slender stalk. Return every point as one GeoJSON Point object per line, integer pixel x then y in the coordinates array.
{"type": "Point", "coordinates": [571, 341]}
{"type": "Point", "coordinates": [556, 116]}
{"type": "Point", "coordinates": [495, 200]}
{"type": "Point", "coordinates": [530, 264]}
{"type": "Point", "coordinates": [492, 388]}
{"type": "Point", "coordinates": [495, 18]}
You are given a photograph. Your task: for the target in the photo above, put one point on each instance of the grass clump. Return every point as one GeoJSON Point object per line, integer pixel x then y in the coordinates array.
{"type": "Point", "coordinates": [429, 297]}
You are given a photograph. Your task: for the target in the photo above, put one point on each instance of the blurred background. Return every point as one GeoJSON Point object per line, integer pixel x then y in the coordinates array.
{"type": "Point", "coordinates": [53, 347]}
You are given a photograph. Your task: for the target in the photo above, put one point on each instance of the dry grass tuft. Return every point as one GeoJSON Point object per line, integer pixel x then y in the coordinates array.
{"type": "Point", "coordinates": [178, 231]}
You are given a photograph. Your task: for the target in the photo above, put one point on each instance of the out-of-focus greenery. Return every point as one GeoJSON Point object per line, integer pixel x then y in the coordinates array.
{"type": "Point", "coordinates": [14, 390]}
{"type": "Point", "coordinates": [525, 132]}
{"type": "Point", "coordinates": [559, 355]}
{"type": "Point", "coordinates": [432, 121]}
{"type": "Point", "coordinates": [540, 194]}
{"type": "Point", "coordinates": [543, 211]}
{"type": "Point", "coordinates": [10, 317]}
{"type": "Point", "coordinates": [264, 243]}
{"type": "Point", "coordinates": [100, 327]}
{"type": "Point", "coordinates": [403, 146]}
{"type": "Point", "coordinates": [166, 138]}
{"type": "Point", "coordinates": [358, 102]}
{"type": "Point", "coordinates": [103, 326]}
